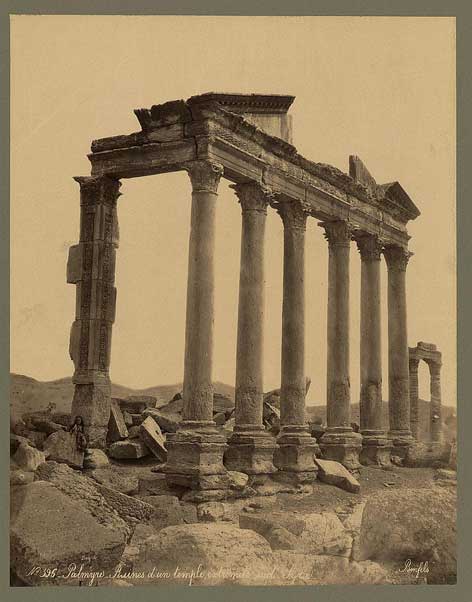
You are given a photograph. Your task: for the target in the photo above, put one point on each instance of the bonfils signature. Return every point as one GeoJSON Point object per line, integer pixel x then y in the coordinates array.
{"type": "Point", "coordinates": [418, 569]}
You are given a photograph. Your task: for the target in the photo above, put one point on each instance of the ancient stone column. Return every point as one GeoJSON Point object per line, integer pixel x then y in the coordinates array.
{"type": "Point", "coordinates": [195, 452]}
{"type": "Point", "coordinates": [294, 456]}
{"type": "Point", "coordinates": [414, 409]}
{"type": "Point", "coordinates": [375, 445]}
{"type": "Point", "coordinates": [91, 266]}
{"type": "Point", "coordinates": [435, 404]}
{"type": "Point", "coordinates": [339, 442]}
{"type": "Point", "coordinates": [251, 448]}
{"type": "Point", "coordinates": [398, 360]}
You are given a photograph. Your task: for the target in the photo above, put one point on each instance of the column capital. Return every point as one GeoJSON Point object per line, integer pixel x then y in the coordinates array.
{"type": "Point", "coordinates": [337, 233]}
{"type": "Point", "coordinates": [293, 215]}
{"type": "Point", "coordinates": [204, 175]}
{"type": "Point", "coordinates": [369, 246]}
{"type": "Point", "coordinates": [98, 190]}
{"type": "Point", "coordinates": [253, 196]}
{"type": "Point", "coordinates": [396, 257]}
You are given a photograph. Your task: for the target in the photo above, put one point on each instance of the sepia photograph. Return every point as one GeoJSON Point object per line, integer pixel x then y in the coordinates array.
{"type": "Point", "coordinates": [233, 329]}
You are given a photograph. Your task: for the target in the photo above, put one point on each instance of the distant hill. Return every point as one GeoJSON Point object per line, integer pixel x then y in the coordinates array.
{"type": "Point", "coordinates": [29, 395]}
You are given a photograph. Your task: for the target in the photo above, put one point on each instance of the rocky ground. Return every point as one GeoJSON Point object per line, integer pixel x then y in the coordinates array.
{"type": "Point", "coordinates": [111, 518]}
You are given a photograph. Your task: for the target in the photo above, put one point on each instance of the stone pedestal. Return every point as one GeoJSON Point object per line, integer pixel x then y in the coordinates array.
{"type": "Point", "coordinates": [339, 442]}
{"type": "Point", "coordinates": [375, 445]}
{"type": "Point", "coordinates": [195, 451]}
{"type": "Point", "coordinates": [91, 267]}
{"type": "Point", "coordinates": [295, 454]}
{"type": "Point", "coordinates": [398, 356]}
{"type": "Point", "coordinates": [250, 448]}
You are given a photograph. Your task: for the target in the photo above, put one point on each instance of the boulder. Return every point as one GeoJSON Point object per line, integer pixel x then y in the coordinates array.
{"type": "Point", "coordinates": [61, 446]}
{"type": "Point", "coordinates": [16, 441]}
{"type": "Point", "coordinates": [334, 473]}
{"type": "Point", "coordinates": [46, 426]}
{"type": "Point", "coordinates": [128, 450]}
{"type": "Point", "coordinates": [95, 458]}
{"type": "Point", "coordinates": [151, 435]}
{"type": "Point", "coordinates": [114, 479]}
{"type": "Point", "coordinates": [167, 422]}
{"type": "Point", "coordinates": [166, 510]}
{"type": "Point", "coordinates": [210, 512]}
{"type": "Point", "coordinates": [28, 458]}
{"type": "Point", "coordinates": [415, 524]}
{"type": "Point", "coordinates": [50, 529]}
{"type": "Point", "coordinates": [117, 428]}
{"type": "Point", "coordinates": [209, 554]}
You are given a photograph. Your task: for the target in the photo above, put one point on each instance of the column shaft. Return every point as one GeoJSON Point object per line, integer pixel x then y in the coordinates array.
{"type": "Point", "coordinates": [375, 444]}
{"type": "Point", "coordinates": [250, 447]}
{"type": "Point", "coordinates": [91, 266]}
{"type": "Point", "coordinates": [296, 447]}
{"type": "Point", "coordinates": [414, 409]}
{"type": "Point", "coordinates": [339, 443]}
{"type": "Point", "coordinates": [435, 404]}
{"type": "Point", "coordinates": [398, 360]}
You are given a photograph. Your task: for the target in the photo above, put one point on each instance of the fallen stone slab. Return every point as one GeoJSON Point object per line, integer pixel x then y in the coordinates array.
{"type": "Point", "coordinates": [49, 529]}
{"type": "Point", "coordinates": [167, 422]}
{"type": "Point", "coordinates": [46, 426]}
{"type": "Point", "coordinates": [398, 525]}
{"type": "Point", "coordinates": [28, 458]}
{"type": "Point", "coordinates": [128, 450]}
{"type": "Point", "coordinates": [114, 479]}
{"type": "Point", "coordinates": [151, 435]}
{"type": "Point", "coordinates": [336, 474]}
{"type": "Point", "coordinates": [131, 509]}
{"type": "Point", "coordinates": [224, 554]}
{"type": "Point", "coordinates": [95, 458]}
{"type": "Point", "coordinates": [127, 418]}
{"type": "Point", "coordinates": [61, 446]}
{"type": "Point", "coordinates": [167, 510]}
{"type": "Point", "coordinates": [117, 429]}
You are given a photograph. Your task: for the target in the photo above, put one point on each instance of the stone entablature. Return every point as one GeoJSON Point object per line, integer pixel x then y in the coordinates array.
{"type": "Point", "coordinates": [202, 127]}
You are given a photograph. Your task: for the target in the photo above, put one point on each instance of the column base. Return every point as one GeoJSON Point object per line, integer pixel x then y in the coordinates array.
{"type": "Point", "coordinates": [376, 449]}
{"type": "Point", "coordinates": [251, 451]}
{"type": "Point", "coordinates": [294, 456]}
{"type": "Point", "coordinates": [92, 402]}
{"type": "Point", "coordinates": [195, 457]}
{"type": "Point", "coordinates": [402, 440]}
{"type": "Point", "coordinates": [343, 446]}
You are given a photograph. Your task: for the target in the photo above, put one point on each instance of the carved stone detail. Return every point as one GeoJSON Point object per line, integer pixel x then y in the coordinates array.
{"type": "Point", "coordinates": [204, 175]}
{"type": "Point", "coordinates": [293, 215]}
{"type": "Point", "coordinates": [253, 196]}
{"type": "Point", "coordinates": [396, 257]}
{"type": "Point", "coordinates": [369, 246]}
{"type": "Point", "coordinates": [337, 233]}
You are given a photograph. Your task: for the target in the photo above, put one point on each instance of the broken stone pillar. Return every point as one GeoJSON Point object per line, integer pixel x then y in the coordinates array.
{"type": "Point", "coordinates": [414, 409]}
{"type": "Point", "coordinates": [251, 447]}
{"type": "Point", "coordinates": [376, 447]}
{"type": "Point", "coordinates": [295, 452]}
{"type": "Point", "coordinates": [340, 442]}
{"type": "Point", "coordinates": [195, 451]}
{"type": "Point", "coordinates": [435, 404]}
{"type": "Point", "coordinates": [398, 355]}
{"type": "Point", "coordinates": [91, 267]}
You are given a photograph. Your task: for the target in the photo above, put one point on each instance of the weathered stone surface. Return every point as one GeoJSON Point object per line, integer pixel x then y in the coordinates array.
{"type": "Point", "coordinates": [226, 554]}
{"type": "Point", "coordinates": [151, 434]}
{"type": "Point", "coordinates": [50, 529]}
{"type": "Point", "coordinates": [117, 428]}
{"type": "Point", "coordinates": [136, 419]}
{"type": "Point", "coordinates": [131, 509]}
{"type": "Point", "coordinates": [426, 454]}
{"type": "Point", "coordinates": [336, 474]}
{"type": "Point", "coordinates": [237, 480]}
{"type": "Point", "coordinates": [167, 422]}
{"type": "Point", "coordinates": [222, 403]}
{"type": "Point", "coordinates": [114, 479]}
{"type": "Point", "coordinates": [128, 450]}
{"type": "Point", "coordinates": [166, 511]}
{"type": "Point", "coordinates": [95, 458]}
{"type": "Point", "coordinates": [149, 400]}
{"type": "Point", "coordinates": [416, 524]}
{"type": "Point", "coordinates": [352, 524]}
{"type": "Point", "coordinates": [189, 513]}
{"type": "Point", "coordinates": [15, 442]}
{"type": "Point", "coordinates": [36, 438]}
{"type": "Point", "coordinates": [133, 432]}
{"type": "Point", "coordinates": [46, 426]}
{"type": "Point", "coordinates": [324, 533]}
{"type": "Point", "coordinates": [156, 484]}
{"type": "Point", "coordinates": [210, 512]}
{"type": "Point", "coordinates": [136, 404]}
{"type": "Point", "coordinates": [127, 418]}
{"type": "Point", "coordinates": [453, 455]}
{"type": "Point", "coordinates": [219, 419]}
{"type": "Point", "coordinates": [264, 523]}
{"type": "Point", "coordinates": [20, 477]}
{"type": "Point", "coordinates": [442, 474]}
{"type": "Point", "coordinates": [28, 458]}
{"type": "Point", "coordinates": [61, 446]}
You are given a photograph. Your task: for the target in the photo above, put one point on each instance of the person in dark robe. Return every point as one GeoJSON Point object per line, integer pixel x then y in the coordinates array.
{"type": "Point", "coordinates": [78, 429]}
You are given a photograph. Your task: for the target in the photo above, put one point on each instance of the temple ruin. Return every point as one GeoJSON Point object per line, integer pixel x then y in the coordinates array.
{"type": "Point", "coordinates": [247, 139]}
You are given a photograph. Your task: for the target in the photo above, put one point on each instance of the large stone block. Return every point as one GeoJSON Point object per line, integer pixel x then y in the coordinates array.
{"type": "Point", "coordinates": [334, 473]}
{"type": "Point", "coordinates": [61, 446]}
{"type": "Point", "coordinates": [51, 530]}
{"type": "Point", "coordinates": [151, 434]}
{"type": "Point", "coordinates": [117, 429]}
{"type": "Point", "coordinates": [28, 458]}
{"type": "Point", "coordinates": [74, 264]}
{"type": "Point", "coordinates": [167, 421]}
{"type": "Point", "coordinates": [167, 510]}
{"type": "Point", "coordinates": [116, 479]}
{"type": "Point", "coordinates": [128, 450]}
{"type": "Point", "coordinates": [95, 458]}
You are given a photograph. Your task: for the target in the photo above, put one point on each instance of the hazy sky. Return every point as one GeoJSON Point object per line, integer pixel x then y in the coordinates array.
{"type": "Point", "coordinates": [380, 88]}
